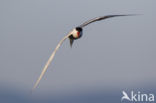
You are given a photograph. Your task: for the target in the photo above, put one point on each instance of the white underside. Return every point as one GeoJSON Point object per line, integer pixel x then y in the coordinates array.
{"type": "Point", "coordinates": [74, 33]}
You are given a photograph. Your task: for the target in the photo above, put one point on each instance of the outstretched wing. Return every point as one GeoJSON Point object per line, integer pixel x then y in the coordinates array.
{"type": "Point", "coordinates": [100, 18]}
{"type": "Point", "coordinates": [49, 61]}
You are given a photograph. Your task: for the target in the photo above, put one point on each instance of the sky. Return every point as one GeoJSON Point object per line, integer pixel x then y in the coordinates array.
{"type": "Point", "coordinates": [114, 53]}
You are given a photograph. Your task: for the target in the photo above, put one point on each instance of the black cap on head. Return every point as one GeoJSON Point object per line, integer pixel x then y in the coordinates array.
{"type": "Point", "coordinates": [79, 29]}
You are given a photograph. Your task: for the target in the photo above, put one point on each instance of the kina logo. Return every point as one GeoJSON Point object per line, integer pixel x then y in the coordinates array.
{"type": "Point", "coordinates": [137, 97]}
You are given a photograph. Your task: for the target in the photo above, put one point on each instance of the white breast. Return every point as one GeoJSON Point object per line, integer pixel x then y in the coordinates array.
{"type": "Point", "coordinates": [74, 33]}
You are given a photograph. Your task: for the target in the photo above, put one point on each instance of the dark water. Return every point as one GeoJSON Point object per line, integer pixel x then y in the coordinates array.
{"type": "Point", "coordinates": [13, 95]}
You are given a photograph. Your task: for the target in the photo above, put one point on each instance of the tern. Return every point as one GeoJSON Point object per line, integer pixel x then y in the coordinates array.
{"type": "Point", "coordinates": [75, 34]}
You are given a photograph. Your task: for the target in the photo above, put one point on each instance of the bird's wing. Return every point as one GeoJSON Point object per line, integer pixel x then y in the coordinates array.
{"type": "Point", "coordinates": [50, 60]}
{"type": "Point", "coordinates": [100, 18]}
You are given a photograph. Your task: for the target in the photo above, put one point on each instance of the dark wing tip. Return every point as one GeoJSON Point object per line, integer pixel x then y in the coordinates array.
{"type": "Point", "coordinates": [104, 17]}
{"type": "Point", "coordinates": [109, 16]}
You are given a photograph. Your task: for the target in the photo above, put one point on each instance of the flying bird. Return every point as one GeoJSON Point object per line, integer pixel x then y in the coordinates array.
{"type": "Point", "coordinates": [75, 34]}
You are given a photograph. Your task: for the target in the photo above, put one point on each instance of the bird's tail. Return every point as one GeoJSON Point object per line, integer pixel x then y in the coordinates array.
{"type": "Point", "coordinates": [71, 41]}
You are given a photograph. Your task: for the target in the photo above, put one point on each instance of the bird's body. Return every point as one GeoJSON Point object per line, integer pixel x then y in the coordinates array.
{"type": "Point", "coordinates": [76, 33]}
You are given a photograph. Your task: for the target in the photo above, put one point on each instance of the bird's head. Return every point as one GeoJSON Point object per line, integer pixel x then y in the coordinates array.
{"type": "Point", "coordinates": [77, 33]}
